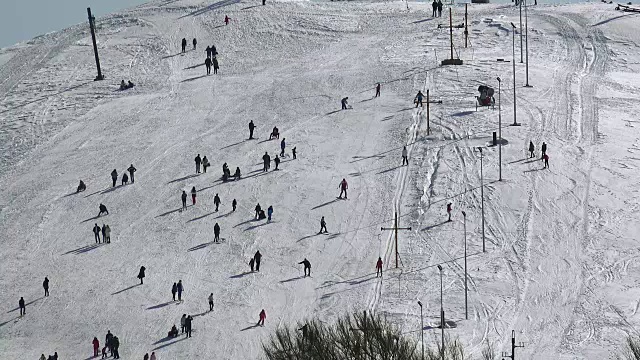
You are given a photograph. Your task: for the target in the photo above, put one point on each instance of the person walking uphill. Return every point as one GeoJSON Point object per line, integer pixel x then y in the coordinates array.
{"type": "Point", "coordinates": [180, 289]}
{"type": "Point", "coordinates": [377, 90]}
{"type": "Point", "coordinates": [379, 267]}
{"type": "Point", "coordinates": [45, 285]}
{"type": "Point", "coordinates": [251, 127]}
{"type": "Point", "coordinates": [257, 258]}
{"type": "Point", "coordinates": [114, 177]}
{"type": "Point", "coordinates": [131, 171]}
{"type": "Point", "coordinates": [343, 188]}
{"type": "Point", "coordinates": [184, 45]}
{"type": "Point", "coordinates": [307, 267]}
{"type": "Point", "coordinates": [184, 200]}
{"type": "Point", "coordinates": [215, 65]}
{"type": "Point", "coordinates": [141, 274]}
{"type": "Point", "coordinates": [198, 161]}
{"type": "Point", "coordinates": [531, 150]}
{"type": "Point", "coordinates": [263, 316]}
{"type": "Point", "coordinates": [418, 99]}
{"type": "Point", "coordinates": [323, 226]}
{"type": "Point", "coordinates": [96, 346]}
{"type": "Point", "coordinates": [22, 306]}
{"type": "Point", "coordinates": [207, 64]}
{"type": "Point", "coordinates": [96, 233]}
{"type": "Point", "coordinates": [216, 233]}
{"type": "Point", "coordinates": [269, 213]}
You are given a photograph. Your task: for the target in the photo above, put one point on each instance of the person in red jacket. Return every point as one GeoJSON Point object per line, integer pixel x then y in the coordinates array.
{"type": "Point", "coordinates": [379, 267]}
{"type": "Point", "coordinates": [343, 188]}
{"type": "Point", "coordinates": [263, 315]}
{"type": "Point", "coordinates": [96, 346]}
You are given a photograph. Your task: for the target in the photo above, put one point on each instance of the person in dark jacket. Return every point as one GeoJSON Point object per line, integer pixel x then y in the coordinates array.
{"type": "Point", "coordinates": [208, 51]}
{"type": "Point", "coordinates": [234, 204]}
{"type": "Point", "coordinates": [544, 150]}
{"type": "Point", "coordinates": [193, 195]}
{"type": "Point", "coordinates": [267, 161]}
{"type": "Point", "coordinates": [96, 233]}
{"type": "Point", "coordinates": [276, 161]}
{"type": "Point", "coordinates": [45, 285]}
{"type": "Point", "coordinates": [344, 104]}
{"type": "Point", "coordinates": [269, 213]}
{"type": "Point", "coordinates": [215, 65]}
{"type": "Point", "coordinates": [114, 177]}
{"type": "Point", "coordinates": [141, 274]}
{"type": "Point", "coordinates": [418, 99]}
{"type": "Point", "coordinates": [174, 290]}
{"type": "Point", "coordinates": [125, 178]}
{"type": "Point", "coordinates": [323, 225]}
{"type": "Point", "coordinates": [216, 233]}
{"type": "Point", "coordinates": [258, 208]}
{"type": "Point", "coordinates": [205, 164]}
{"type": "Point", "coordinates": [434, 5]}
{"type": "Point", "coordinates": [439, 8]}
{"type": "Point", "coordinates": [188, 323]}
{"type": "Point", "coordinates": [257, 257]}
{"type": "Point", "coordinates": [81, 187]}
{"type": "Point", "coordinates": [195, 42]}
{"type": "Point", "coordinates": [22, 306]}
{"type": "Point", "coordinates": [252, 263]}
{"type": "Point", "coordinates": [207, 64]}
{"type": "Point", "coordinates": [237, 174]}
{"type": "Point", "coordinates": [180, 289]}
{"type": "Point", "coordinates": [282, 146]}
{"type": "Point", "coordinates": [307, 267]}
{"type": "Point", "coordinates": [132, 170]}
{"type": "Point", "coordinates": [251, 127]}
{"type": "Point", "coordinates": [108, 341]}
{"type": "Point", "coordinates": [183, 321]}
{"type": "Point", "coordinates": [198, 160]}
{"type": "Point", "coordinates": [532, 148]}
{"type": "Point", "coordinates": [377, 90]}
{"type": "Point", "coordinates": [216, 201]}
{"type": "Point", "coordinates": [379, 267]}
{"type": "Point", "coordinates": [103, 210]}
{"type": "Point", "coordinates": [184, 45]}
{"type": "Point", "coordinates": [184, 199]}
{"type": "Point", "coordinates": [116, 347]}
{"type": "Point", "coordinates": [293, 152]}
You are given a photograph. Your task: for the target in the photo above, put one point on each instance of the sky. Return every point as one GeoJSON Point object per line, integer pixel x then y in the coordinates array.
{"type": "Point", "coordinates": [22, 20]}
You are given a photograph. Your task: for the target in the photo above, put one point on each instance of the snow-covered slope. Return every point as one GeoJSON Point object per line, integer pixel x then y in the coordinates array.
{"type": "Point", "coordinates": [559, 266]}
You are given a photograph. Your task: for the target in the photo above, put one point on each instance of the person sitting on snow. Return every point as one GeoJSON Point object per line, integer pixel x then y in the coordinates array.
{"type": "Point", "coordinates": [81, 187]}
{"type": "Point", "coordinates": [173, 332]}
{"type": "Point", "coordinates": [123, 86]}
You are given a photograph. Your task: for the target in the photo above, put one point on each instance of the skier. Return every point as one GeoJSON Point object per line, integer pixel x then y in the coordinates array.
{"type": "Point", "coordinates": [307, 267]}
{"type": "Point", "coordinates": [125, 179]}
{"type": "Point", "coordinates": [193, 195]}
{"type": "Point", "coordinates": [282, 145]}
{"type": "Point", "coordinates": [208, 50]}
{"type": "Point", "coordinates": [195, 42]}
{"type": "Point", "coordinates": [183, 321]}
{"type": "Point", "coordinates": [439, 8]}
{"type": "Point", "coordinates": [207, 64]}
{"type": "Point", "coordinates": [257, 258]}
{"type": "Point", "coordinates": [234, 203]}
{"type": "Point", "coordinates": [236, 175]}
{"type": "Point", "coordinates": [216, 233]}
{"type": "Point", "coordinates": [96, 346]}
{"type": "Point", "coordinates": [216, 201]}
{"type": "Point", "coordinates": [434, 5]}
{"type": "Point", "coordinates": [141, 274]}
{"type": "Point", "coordinates": [405, 160]}
{"type": "Point", "coordinates": [107, 234]}
{"type": "Point", "coordinates": [187, 325]}
{"type": "Point", "coordinates": [343, 188]}
{"type": "Point", "coordinates": [546, 161]}
{"type": "Point", "coordinates": [96, 233]}
{"type": "Point", "coordinates": [377, 90]}
{"type": "Point", "coordinates": [180, 289]}
{"type": "Point", "coordinates": [531, 149]}
{"type": "Point", "coordinates": [267, 160]}
{"type": "Point", "coordinates": [251, 127]}
{"type": "Point", "coordinates": [252, 262]}
{"type": "Point", "coordinates": [269, 213]}
{"type": "Point", "coordinates": [293, 152]}
{"type": "Point", "coordinates": [174, 290]}
{"type": "Point", "coordinates": [379, 267]}
{"type": "Point", "coordinates": [114, 177]}
{"type": "Point", "coordinates": [205, 163]}
{"type": "Point", "coordinates": [184, 45]}
{"type": "Point", "coordinates": [276, 161]}
{"type": "Point", "coordinates": [449, 211]}
{"type": "Point", "coordinates": [344, 104]}
{"type": "Point", "coordinates": [258, 209]}
{"type": "Point", "coordinates": [226, 20]}
{"type": "Point", "coordinates": [418, 99]}
{"type": "Point", "coordinates": [544, 150]}
{"type": "Point", "coordinates": [116, 347]}
{"type": "Point", "coordinates": [323, 225]}
{"type": "Point", "coordinates": [103, 210]}
{"type": "Point", "coordinates": [211, 302]}
{"type": "Point", "coordinates": [81, 187]}
{"type": "Point", "coordinates": [45, 285]}
{"type": "Point", "coordinates": [132, 170]}
{"type": "Point", "coordinates": [263, 314]}
{"type": "Point", "coordinates": [198, 160]}
{"type": "Point", "coordinates": [184, 200]}
{"type": "Point", "coordinates": [215, 65]}
{"type": "Point", "coordinates": [22, 307]}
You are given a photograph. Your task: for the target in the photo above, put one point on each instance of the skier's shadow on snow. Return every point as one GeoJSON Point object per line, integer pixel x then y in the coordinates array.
{"type": "Point", "coordinates": [90, 219]}
{"type": "Point", "coordinates": [389, 170]}
{"type": "Point", "coordinates": [8, 321]}
{"type": "Point", "coordinates": [240, 275]}
{"type": "Point", "coordinates": [333, 112]}
{"type": "Point", "coordinates": [292, 279]}
{"type": "Point", "coordinates": [183, 178]}
{"type": "Point", "coordinates": [193, 66]}
{"type": "Point", "coordinates": [250, 327]}
{"type": "Point", "coordinates": [84, 249]}
{"type": "Point", "coordinates": [167, 339]}
{"type": "Point", "coordinates": [29, 303]}
{"type": "Point", "coordinates": [245, 222]}
{"type": "Point", "coordinates": [234, 144]}
{"type": "Point", "coordinates": [194, 78]}
{"type": "Point", "coordinates": [257, 226]}
{"type": "Point", "coordinates": [125, 289]}
{"type": "Point", "coordinates": [201, 217]}
{"type": "Point", "coordinates": [354, 281]}
{"type": "Point", "coordinates": [174, 55]}
{"type": "Point", "coordinates": [532, 170]}
{"type": "Point", "coordinates": [201, 246]}
{"type": "Point", "coordinates": [160, 305]}
{"type": "Point", "coordinates": [247, 8]}
{"type": "Point", "coordinates": [434, 225]}
{"type": "Point", "coordinates": [173, 211]}
{"type": "Point", "coordinates": [113, 188]}
{"type": "Point", "coordinates": [325, 204]}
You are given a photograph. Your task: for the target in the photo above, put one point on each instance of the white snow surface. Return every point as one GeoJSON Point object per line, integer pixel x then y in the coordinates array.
{"type": "Point", "coordinates": [561, 262]}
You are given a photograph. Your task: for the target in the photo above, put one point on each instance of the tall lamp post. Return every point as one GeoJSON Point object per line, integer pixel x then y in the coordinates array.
{"type": "Point", "coordinates": [515, 123]}
{"type": "Point", "coordinates": [526, 47]}
{"type": "Point", "coordinates": [482, 198]}
{"type": "Point", "coordinates": [441, 314]}
{"type": "Point", "coordinates": [499, 131]}
{"type": "Point", "coordinates": [521, 58]}
{"type": "Point", "coordinates": [466, 303]}
{"type": "Point", "coordinates": [421, 329]}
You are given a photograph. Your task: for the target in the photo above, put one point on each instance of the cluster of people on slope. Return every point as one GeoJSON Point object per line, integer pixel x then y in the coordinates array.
{"type": "Point", "coordinates": [125, 178]}
{"type": "Point", "coordinates": [127, 85]}
{"type": "Point", "coordinates": [260, 215]}
{"type": "Point", "coordinates": [437, 7]}
{"type": "Point", "coordinates": [105, 231]}
{"type": "Point", "coordinates": [544, 157]}
{"type": "Point", "coordinates": [50, 357]}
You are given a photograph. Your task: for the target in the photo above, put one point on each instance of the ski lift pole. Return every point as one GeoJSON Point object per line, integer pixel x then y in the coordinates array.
{"type": "Point", "coordinates": [95, 46]}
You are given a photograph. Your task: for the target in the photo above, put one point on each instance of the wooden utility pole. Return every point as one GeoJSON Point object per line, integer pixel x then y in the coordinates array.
{"type": "Point", "coordinates": [466, 31]}
{"type": "Point", "coordinates": [451, 31]}
{"type": "Point", "coordinates": [428, 128]}
{"type": "Point", "coordinates": [395, 228]}
{"type": "Point", "coordinates": [95, 46]}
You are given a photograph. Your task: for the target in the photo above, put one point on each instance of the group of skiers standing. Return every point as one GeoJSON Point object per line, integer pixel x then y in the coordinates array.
{"type": "Point", "coordinates": [186, 324]}
{"type": "Point", "coordinates": [177, 288]}
{"type": "Point", "coordinates": [105, 231]}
